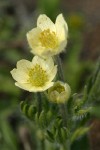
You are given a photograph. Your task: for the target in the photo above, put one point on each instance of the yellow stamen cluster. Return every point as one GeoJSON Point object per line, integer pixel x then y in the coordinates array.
{"type": "Point", "coordinates": [58, 88]}
{"type": "Point", "coordinates": [48, 39]}
{"type": "Point", "coordinates": [37, 76]}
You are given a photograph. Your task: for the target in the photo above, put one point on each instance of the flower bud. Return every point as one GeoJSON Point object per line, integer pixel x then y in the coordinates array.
{"type": "Point", "coordinates": [59, 92]}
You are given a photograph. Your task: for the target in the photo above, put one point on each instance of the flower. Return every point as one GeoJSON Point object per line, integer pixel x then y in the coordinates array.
{"type": "Point", "coordinates": [48, 39]}
{"type": "Point", "coordinates": [34, 76]}
{"type": "Point", "coordinates": [59, 92]}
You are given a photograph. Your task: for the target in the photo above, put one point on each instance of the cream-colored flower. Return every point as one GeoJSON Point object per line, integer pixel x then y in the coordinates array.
{"type": "Point", "coordinates": [34, 76]}
{"type": "Point", "coordinates": [48, 39]}
{"type": "Point", "coordinates": [59, 92]}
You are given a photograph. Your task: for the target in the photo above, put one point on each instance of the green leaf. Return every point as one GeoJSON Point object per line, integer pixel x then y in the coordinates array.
{"type": "Point", "coordinates": [50, 136]}
{"type": "Point", "coordinates": [8, 135]}
{"type": "Point", "coordinates": [31, 111]}
{"type": "Point", "coordinates": [28, 110]}
{"type": "Point", "coordinates": [58, 122]}
{"type": "Point", "coordinates": [79, 132]}
{"type": "Point", "coordinates": [82, 113]}
{"type": "Point", "coordinates": [64, 133]}
{"type": "Point", "coordinates": [42, 119]}
{"type": "Point", "coordinates": [49, 116]}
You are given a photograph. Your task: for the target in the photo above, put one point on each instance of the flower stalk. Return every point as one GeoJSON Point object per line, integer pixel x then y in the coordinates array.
{"type": "Point", "coordinates": [65, 146]}
{"type": "Point", "coordinates": [63, 108]}
{"type": "Point", "coordinates": [42, 144]}
{"type": "Point", "coordinates": [60, 69]}
{"type": "Point", "coordinates": [39, 102]}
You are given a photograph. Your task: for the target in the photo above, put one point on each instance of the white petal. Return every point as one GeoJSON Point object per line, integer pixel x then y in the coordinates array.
{"type": "Point", "coordinates": [37, 60]}
{"type": "Point", "coordinates": [31, 88]}
{"type": "Point", "coordinates": [46, 64]}
{"type": "Point", "coordinates": [63, 97]}
{"type": "Point", "coordinates": [36, 89]}
{"type": "Point", "coordinates": [24, 65]}
{"type": "Point", "coordinates": [43, 52]}
{"type": "Point", "coordinates": [47, 53]}
{"type": "Point", "coordinates": [53, 73]}
{"type": "Point", "coordinates": [38, 50]}
{"type": "Point", "coordinates": [67, 88]}
{"type": "Point", "coordinates": [40, 89]}
{"type": "Point", "coordinates": [24, 86]}
{"type": "Point", "coordinates": [61, 47]}
{"type": "Point", "coordinates": [47, 86]}
{"type": "Point", "coordinates": [44, 23]}
{"type": "Point", "coordinates": [33, 37]}
{"type": "Point", "coordinates": [49, 64]}
{"type": "Point", "coordinates": [61, 27]}
{"type": "Point", "coordinates": [19, 75]}
{"type": "Point", "coordinates": [54, 96]}
{"type": "Point", "coordinates": [28, 87]}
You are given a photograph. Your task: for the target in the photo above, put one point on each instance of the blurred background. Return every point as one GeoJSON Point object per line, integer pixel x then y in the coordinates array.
{"type": "Point", "coordinates": [17, 17]}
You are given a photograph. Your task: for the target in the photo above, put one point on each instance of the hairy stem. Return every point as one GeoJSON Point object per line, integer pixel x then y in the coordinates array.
{"type": "Point", "coordinates": [61, 77]}
{"type": "Point", "coordinates": [65, 147]}
{"type": "Point", "coordinates": [60, 69]}
{"type": "Point", "coordinates": [39, 102]}
{"type": "Point", "coordinates": [42, 144]}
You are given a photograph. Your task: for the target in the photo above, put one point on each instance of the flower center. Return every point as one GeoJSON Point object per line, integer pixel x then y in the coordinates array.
{"type": "Point", "coordinates": [58, 88]}
{"type": "Point", "coordinates": [48, 39]}
{"type": "Point", "coordinates": [37, 76]}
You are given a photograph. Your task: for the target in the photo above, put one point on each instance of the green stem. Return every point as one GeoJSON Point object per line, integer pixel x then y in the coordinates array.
{"type": "Point", "coordinates": [42, 144]}
{"type": "Point", "coordinates": [60, 69]}
{"type": "Point", "coordinates": [61, 77]}
{"type": "Point", "coordinates": [39, 102]}
{"type": "Point", "coordinates": [64, 113]}
{"type": "Point", "coordinates": [65, 146]}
